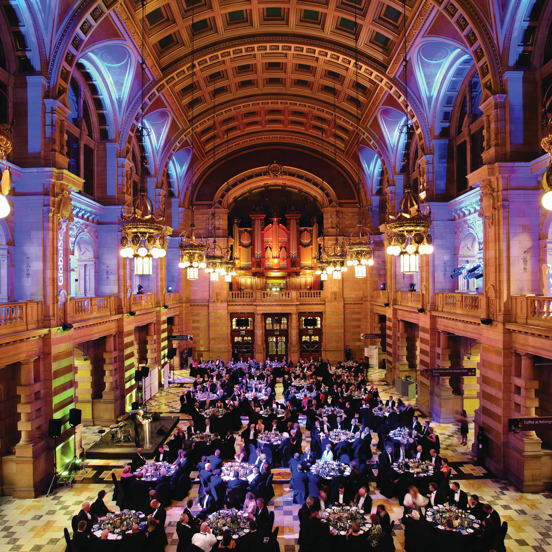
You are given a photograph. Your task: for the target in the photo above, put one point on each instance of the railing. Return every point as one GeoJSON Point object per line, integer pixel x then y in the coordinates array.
{"type": "Point", "coordinates": [242, 296]}
{"type": "Point", "coordinates": [312, 296]}
{"type": "Point", "coordinates": [172, 298]}
{"type": "Point", "coordinates": [90, 307]}
{"type": "Point", "coordinates": [19, 317]}
{"type": "Point", "coordinates": [532, 310]}
{"type": "Point", "coordinates": [143, 301]}
{"type": "Point", "coordinates": [409, 298]}
{"type": "Point", "coordinates": [381, 296]}
{"type": "Point", "coordinates": [470, 304]}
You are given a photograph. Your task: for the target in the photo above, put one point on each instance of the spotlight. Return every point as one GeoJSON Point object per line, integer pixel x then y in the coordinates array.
{"type": "Point", "coordinates": [486, 321]}
{"type": "Point", "coordinates": [132, 313]}
{"type": "Point", "coordinates": [66, 326]}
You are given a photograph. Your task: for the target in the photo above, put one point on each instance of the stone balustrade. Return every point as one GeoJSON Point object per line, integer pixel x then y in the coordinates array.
{"type": "Point", "coordinates": [84, 308]}
{"type": "Point", "coordinates": [143, 301]}
{"type": "Point", "coordinates": [19, 317]}
{"type": "Point", "coordinates": [295, 296]}
{"type": "Point", "coordinates": [531, 310]}
{"type": "Point", "coordinates": [409, 299]}
{"type": "Point", "coordinates": [470, 304]}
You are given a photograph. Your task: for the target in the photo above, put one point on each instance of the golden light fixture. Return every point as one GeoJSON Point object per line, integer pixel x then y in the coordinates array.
{"type": "Point", "coordinates": [144, 236]}
{"type": "Point", "coordinates": [546, 199]}
{"type": "Point", "coordinates": [6, 146]}
{"type": "Point", "coordinates": [192, 257]}
{"type": "Point", "coordinates": [408, 233]}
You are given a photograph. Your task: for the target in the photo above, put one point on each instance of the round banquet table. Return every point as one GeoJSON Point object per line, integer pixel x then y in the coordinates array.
{"type": "Point", "coordinates": [214, 411]}
{"type": "Point", "coordinates": [259, 395]}
{"type": "Point", "coordinates": [339, 435]}
{"type": "Point", "coordinates": [331, 411]}
{"type": "Point", "coordinates": [330, 470]}
{"type": "Point", "coordinates": [339, 520]}
{"type": "Point", "coordinates": [412, 472]}
{"type": "Point", "coordinates": [204, 396]}
{"type": "Point", "coordinates": [156, 475]}
{"type": "Point", "coordinates": [119, 523]}
{"type": "Point", "coordinates": [235, 520]}
{"type": "Point", "coordinates": [271, 438]}
{"type": "Point", "coordinates": [402, 435]}
{"type": "Point", "coordinates": [270, 412]}
{"type": "Point", "coordinates": [153, 472]}
{"type": "Point", "coordinates": [245, 471]}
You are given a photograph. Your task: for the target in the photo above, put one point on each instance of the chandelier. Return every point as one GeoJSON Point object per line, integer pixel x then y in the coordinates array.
{"type": "Point", "coordinates": [218, 264]}
{"type": "Point", "coordinates": [360, 254]}
{"type": "Point", "coordinates": [408, 233]}
{"type": "Point", "coordinates": [144, 236]}
{"type": "Point", "coordinates": [333, 260]}
{"type": "Point", "coordinates": [192, 257]}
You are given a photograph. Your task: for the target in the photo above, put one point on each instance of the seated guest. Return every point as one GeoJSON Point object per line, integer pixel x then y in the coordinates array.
{"type": "Point", "coordinates": [419, 454]}
{"type": "Point", "coordinates": [184, 532]}
{"type": "Point", "coordinates": [476, 508]}
{"type": "Point", "coordinates": [262, 517]}
{"type": "Point", "coordinates": [458, 497]}
{"type": "Point", "coordinates": [155, 539]}
{"type": "Point", "coordinates": [205, 540]}
{"type": "Point", "coordinates": [327, 455]}
{"type": "Point", "coordinates": [161, 454]}
{"type": "Point", "coordinates": [192, 520]}
{"type": "Point", "coordinates": [492, 533]}
{"type": "Point", "coordinates": [215, 460]}
{"type": "Point", "coordinates": [206, 503]}
{"type": "Point", "coordinates": [363, 501]}
{"type": "Point", "coordinates": [98, 508]}
{"type": "Point", "coordinates": [376, 534]}
{"type": "Point", "coordinates": [385, 519]}
{"type": "Point", "coordinates": [261, 461]}
{"type": "Point", "coordinates": [342, 496]}
{"type": "Point", "coordinates": [82, 540]}
{"type": "Point", "coordinates": [251, 542]}
{"type": "Point", "coordinates": [413, 501]}
{"type": "Point", "coordinates": [250, 505]}
{"type": "Point", "coordinates": [308, 456]}
{"type": "Point", "coordinates": [159, 516]}
{"type": "Point", "coordinates": [240, 456]}
{"type": "Point", "coordinates": [434, 496]}
{"type": "Point", "coordinates": [445, 470]}
{"type": "Point", "coordinates": [356, 541]}
{"type": "Point", "coordinates": [435, 459]}
{"type": "Point", "coordinates": [134, 540]}
{"type": "Point", "coordinates": [86, 515]}
{"type": "Point", "coordinates": [227, 542]}
{"type": "Point", "coordinates": [137, 461]}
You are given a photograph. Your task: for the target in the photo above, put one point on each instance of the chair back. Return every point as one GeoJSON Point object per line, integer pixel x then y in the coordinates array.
{"type": "Point", "coordinates": [504, 528]}
{"type": "Point", "coordinates": [75, 523]}
{"type": "Point", "coordinates": [69, 547]}
{"type": "Point", "coordinates": [274, 535]}
{"type": "Point", "coordinates": [270, 522]}
{"type": "Point", "coordinates": [116, 491]}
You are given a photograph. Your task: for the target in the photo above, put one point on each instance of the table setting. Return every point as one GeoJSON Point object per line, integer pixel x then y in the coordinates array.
{"type": "Point", "coordinates": [329, 470]}
{"type": "Point", "coordinates": [204, 396]}
{"type": "Point", "coordinates": [331, 411]}
{"type": "Point", "coordinates": [338, 435]}
{"type": "Point", "coordinates": [403, 435]}
{"type": "Point", "coordinates": [235, 520]}
{"type": "Point", "coordinates": [270, 438]}
{"type": "Point", "coordinates": [119, 523]}
{"type": "Point", "coordinates": [341, 518]}
{"type": "Point", "coordinates": [154, 471]}
{"type": "Point", "coordinates": [451, 518]}
{"type": "Point", "coordinates": [215, 411]}
{"type": "Point", "coordinates": [268, 411]}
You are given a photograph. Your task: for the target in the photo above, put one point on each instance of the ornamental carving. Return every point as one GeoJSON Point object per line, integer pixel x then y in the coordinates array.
{"type": "Point", "coordinates": [62, 206]}
{"type": "Point", "coordinates": [487, 203]}
{"type": "Point", "coordinates": [6, 143]}
{"type": "Point", "coordinates": [305, 238]}
{"type": "Point", "coordinates": [245, 238]}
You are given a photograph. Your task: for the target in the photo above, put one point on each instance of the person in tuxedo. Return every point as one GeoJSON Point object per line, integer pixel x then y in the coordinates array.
{"type": "Point", "coordinates": [476, 508]}
{"type": "Point", "coordinates": [457, 496]}
{"type": "Point", "coordinates": [98, 508]}
{"type": "Point", "coordinates": [137, 460]}
{"type": "Point", "coordinates": [192, 520]}
{"type": "Point", "coordinates": [184, 532]}
{"type": "Point", "coordinates": [390, 402]}
{"type": "Point", "coordinates": [415, 425]}
{"type": "Point", "coordinates": [492, 533]}
{"type": "Point", "coordinates": [303, 515]}
{"type": "Point", "coordinates": [308, 456]}
{"type": "Point", "coordinates": [204, 476]}
{"type": "Point", "coordinates": [159, 516]}
{"type": "Point", "coordinates": [206, 503]}
{"type": "Point", "coordinates": [435, 460]}
{"type": "Point", "coordinates": [363, 501]}
{"type": "Point", "coordinates": [325, 426]}
{"type": "Point", "coordinates": [385, 519]}
{"type": "Point", "coordinates": [215, 460]}
{"type": "Point", "coordinates": [434, 496]}
{"type": "Point", "coordinates": [262, 517]}
{"type": "Point", "coordinates": [323, 501]}
{"type": "Point", "coordinates": [249, 435]}
{"type": "Point", "coordinates": [262, 462]}
{"type": "Point", "coordinates": [217, 487]}
{"type": "Point", "coordinates": [342, 496]}
{"type": "Point", "coordinates": [82, 539]}
{"type": "Point", "coordinates": [85, 515]}
{"type": "Point", "coordinates": [134, 541]}
{"type": "Point", "coordinates": [419, 454]}
{"type": "Point", "coordinates": [161, 454]}
{"type": "Point", "coordinates": [385, 460]}
{"type": "Point", "coordinates": [252, 541]}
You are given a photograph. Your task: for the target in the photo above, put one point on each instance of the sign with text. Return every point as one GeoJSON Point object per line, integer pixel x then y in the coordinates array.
{"type": "Point", "coordinates": [530, 424]}
{"type": "Point", "coordinates": [447, 372]}
{"type": "Point", "coordinates": [370, 336]}
{"type": "Point", "coordinates": [181, 337]}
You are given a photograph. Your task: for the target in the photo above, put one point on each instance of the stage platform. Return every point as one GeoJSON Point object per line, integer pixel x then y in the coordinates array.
{"type": "Point", "coordinates": [106, 449]}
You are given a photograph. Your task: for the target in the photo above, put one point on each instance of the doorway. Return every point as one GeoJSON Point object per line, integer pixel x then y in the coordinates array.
{"type": "Point", "coordinates": [276, 336]}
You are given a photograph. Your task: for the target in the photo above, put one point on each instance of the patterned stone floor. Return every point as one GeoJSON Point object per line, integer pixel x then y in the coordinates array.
{"type": "Point", "coordinates": [33, 525]}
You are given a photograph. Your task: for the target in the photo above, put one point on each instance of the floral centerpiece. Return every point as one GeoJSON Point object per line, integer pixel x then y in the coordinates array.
{"type": "Point", "coordinates": [415, 467]}
{"type": "Point", "coordinates": [338, 435]}
{"type": "Point", "coordinates": [214, 411]}
{"type": "Point", "coordinates": [329, 470]}
{"type": "Point", "coordinates": [156, 470]}
{"type": "Point", "coordinates": [403, 435]}
{"type": "Point", "coordinates": [270, 438]}
{"type": "Point", "coordinates": [329, 410]}
{"type": "Point", "coordinates": [243, 468]}
{"type": "Point", "coordinates": [452, 518]}
{"type": "Point", "coordinates": [119, 523]}
{"type": "Point", "coordinates": [235, 520]}
{"type": "Point", "coordinates": [340, 519]}
{"type": "Point", "coordinates": [205, 437]}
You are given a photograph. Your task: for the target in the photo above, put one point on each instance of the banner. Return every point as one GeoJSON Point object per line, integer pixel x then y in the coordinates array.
{"type": "Point", "coordinates": [529, 424]}
{"type": "Point", "coordinates": [447, 372]}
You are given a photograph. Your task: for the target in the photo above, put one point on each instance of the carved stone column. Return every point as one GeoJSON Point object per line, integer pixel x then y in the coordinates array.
{"type": "Point", "coordinates": [55, 117]}
{"type": "Point", "coordinates": [294, 350]}
{"type": "Point", "coordinates": [495, 131]}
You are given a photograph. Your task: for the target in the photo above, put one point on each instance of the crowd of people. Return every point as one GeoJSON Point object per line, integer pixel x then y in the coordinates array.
{"type": "Point", "coordinates": [343, 415]}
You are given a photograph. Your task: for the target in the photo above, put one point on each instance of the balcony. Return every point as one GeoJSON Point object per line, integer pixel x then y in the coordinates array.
{"type": "Point", "coordinates": [172, 298]}
{"type": "Point", "coordinates": [20, 317]}
{"type": "Point", "coordinates": [296, 296]}
{"type": "Point", "coordinates": [469, 304]}
{"type": "Point", "coordinates": [90, 307]}
{"type": "Point", "coordinates": [532, 310]}
{"type": "Point", "coordinates": [142, 301]}
{"type": "Point", "coordinates": [381, 296]}
{"type": "Point", "coordinates": [409, 299]}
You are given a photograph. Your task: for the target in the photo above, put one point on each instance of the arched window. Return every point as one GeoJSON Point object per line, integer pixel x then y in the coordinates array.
{"type": "Point", "coordinates": [83, 268]}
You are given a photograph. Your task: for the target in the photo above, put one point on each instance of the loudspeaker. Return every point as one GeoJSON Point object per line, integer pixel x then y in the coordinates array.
{"type": "Point", "coordinates": [75, 416]}
{"type": "Point", "coordinates": [54, 428]}
{"type": "Point", "coordinates": [66, 326]}
{"type": "Point", "coordinates": [170, 320]}
{"type": "Point", "coordinates": [171, 353]}
{"type": "Point", "coordinates": [135, 406]}
{"type": "Point", "coordinates": [421, 309]}
{"type": "Point", "coordinates": [145, 371]}
{"type": "Point", "coordinates": [132, 313]}
{"type": "Point", "coordinates": [487, 321]}
{"type": "Point", "coordinates": [138, 376]}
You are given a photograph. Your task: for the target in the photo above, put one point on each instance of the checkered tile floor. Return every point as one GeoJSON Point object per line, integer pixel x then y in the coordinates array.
{"type": "Point", "coordinates": [37, 525]}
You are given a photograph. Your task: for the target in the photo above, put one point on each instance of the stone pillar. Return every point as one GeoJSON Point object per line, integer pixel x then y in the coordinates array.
{"type": "Point", "coordinates": [403, 367]}
{"type": "Point", "coordinates": [444, 404]}
{"type": "Point", "coordinates": [259, 337]}
{"type": "Point", "coordinates": [55, 117]}
{"type": "Point", "coordinates": [294, 350]}
{"type": "Point", "coordinates": [110, 405]}
{"type": "Point", "coordinates": [525, 456]}
{"type": "Point", "coordinates": [27, 406]}
{"type": "Point", "coordinates": [495, 131]}
{"type": "Point", "coordinates": [83, 385]}
{"type": "Point", "coordinates": [257, 255]}
{"type": "Point", "coordinates": [152, 347]}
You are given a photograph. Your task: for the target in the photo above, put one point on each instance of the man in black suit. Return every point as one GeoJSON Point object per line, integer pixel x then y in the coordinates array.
{"type": "Point", "coordinates": [204, 476]}
{"type": "Point", "coordinates": [262, 517]}
{"type": "Point", "coordinates": [435, 459]}
{"type": "Point", "coordinates": [86, 515]}
{"type": "Point", "coordinates": [434, 495]}
{"type": "Point", "coordinates": [476, 508]}
{"type": "Point", "coordinates": [206, 503]}
{"type": "Point", "coordinates": [385, 460]}
{"type": "Point", "coordinates": [308, 456]}
{"type": "Point", "coordinates": [251, 542]}
{"type": "Point", "coordinates": [137, 460]}
{"type": "Point", "coordinates": [363, 501]}
{"type": "Point", "coordinates": [492, 533]}
{"type": "Point", "coordinates": [390, 402]}
{"type": "Point", "coordinates": [159, 515]}
{"type": "Point", "coordinates": [249, 435]}
{"type": "Point", "coordinates": [82, 540]}
{"type": "Point", "coordinates": [217, 487]}
{"type": "Point", "coordinates": [161, 454]}
{"type": "Point", "coordinates": [342, 496]}
{"type": "Point", "coordinates": [415, 425]}
{"type": "Point", "coordinates": [184, 532]}
{"type": "Point", "coordinates": [135, 541]}
{"type": "Point", "coordinates": [457, 496]}
{"type": "Point", "coordinates": [215, 460]}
